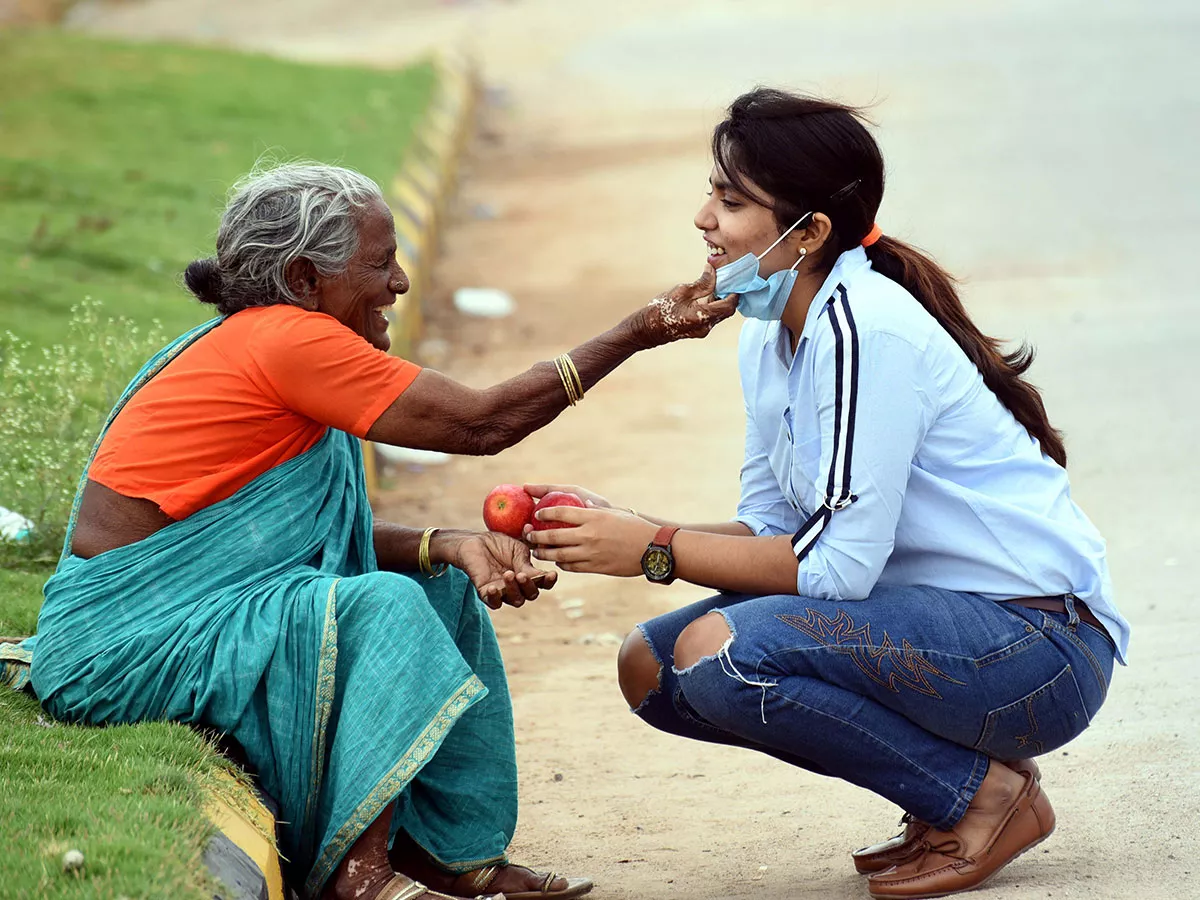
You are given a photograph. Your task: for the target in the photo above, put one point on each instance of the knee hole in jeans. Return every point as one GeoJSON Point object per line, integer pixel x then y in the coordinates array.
{"type": "Point", "coordinates": [703, 637]}
{"type": "Point", "coordinates": [638, 672]}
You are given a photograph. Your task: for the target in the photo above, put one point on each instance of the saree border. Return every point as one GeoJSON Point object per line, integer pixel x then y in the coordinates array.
{"type": "Point", "coordinates": [15, 663]}
{"type": "Point", "coordinates": [390, 786]}
{"type": "Point", "coordinates": [326, 684]}
{"type": "Point", "coordinates": [12, 651]}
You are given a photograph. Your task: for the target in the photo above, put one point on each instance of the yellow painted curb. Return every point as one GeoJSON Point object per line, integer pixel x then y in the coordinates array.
{"type": "Point", "coordinates": [420, 198]}
{"type": "Point", "coordinates": [238, 814]}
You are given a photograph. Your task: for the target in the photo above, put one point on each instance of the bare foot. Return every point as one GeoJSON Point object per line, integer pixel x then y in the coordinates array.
{"type": "Point", "coordinates": [357, 880]}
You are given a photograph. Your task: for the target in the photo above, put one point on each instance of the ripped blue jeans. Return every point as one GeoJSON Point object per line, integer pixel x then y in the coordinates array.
{"type": "Point", "coordinates": [908, 693]}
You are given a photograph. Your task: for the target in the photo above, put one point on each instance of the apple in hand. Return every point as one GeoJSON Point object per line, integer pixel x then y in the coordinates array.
{"type": "Point", "coordinates": [554, 498]}
{"type": "Point", "coordinates": [506, 509]}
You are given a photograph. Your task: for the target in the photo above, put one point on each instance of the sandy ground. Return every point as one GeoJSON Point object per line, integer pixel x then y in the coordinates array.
{"type": "Point", "coordinates": [1044, 154]}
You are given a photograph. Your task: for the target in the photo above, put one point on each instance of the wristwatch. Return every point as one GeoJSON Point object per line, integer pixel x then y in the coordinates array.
{"type": "Point", "coordinates": [658, 563]}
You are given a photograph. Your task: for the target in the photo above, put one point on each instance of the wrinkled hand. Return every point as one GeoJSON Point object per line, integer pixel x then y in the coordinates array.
{"type": "Point", "coordinates": [591, 498]}
{"type": "Point", "coordinates": [606, 541]}
{"type": "Point", "coordinates": [686, 311]}
{"type": "Point", "coordinates": [500, 569]}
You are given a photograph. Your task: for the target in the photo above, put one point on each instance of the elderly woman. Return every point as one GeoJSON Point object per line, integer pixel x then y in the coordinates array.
{"type": "Point", "coordinates": [223, 566]}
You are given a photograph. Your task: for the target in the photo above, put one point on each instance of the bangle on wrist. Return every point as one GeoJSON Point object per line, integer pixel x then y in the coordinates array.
{"type": "Point", "coordinates": [569, 376]}
{"type": "Point", "coordinates": [574, 373]}
{"type": "Point", "coordinates": [424, 563]}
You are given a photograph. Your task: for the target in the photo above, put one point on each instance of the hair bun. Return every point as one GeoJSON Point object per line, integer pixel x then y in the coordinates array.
{"type": "Point", "coordinates": [203, 278]}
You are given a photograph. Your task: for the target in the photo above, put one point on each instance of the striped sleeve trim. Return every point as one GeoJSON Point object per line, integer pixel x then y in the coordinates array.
{"type": "Point", "coordinates": [837, 491]}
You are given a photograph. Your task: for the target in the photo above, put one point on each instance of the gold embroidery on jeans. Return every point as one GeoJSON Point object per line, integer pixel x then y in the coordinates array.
{"type": "Point", "coordinates": [884, 663]}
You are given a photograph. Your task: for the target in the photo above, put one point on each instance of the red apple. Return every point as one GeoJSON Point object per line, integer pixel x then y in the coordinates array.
{"type": "Point", "coordinates": [554, 498]}
{"type": "Point", "coordinates": [506, 509]}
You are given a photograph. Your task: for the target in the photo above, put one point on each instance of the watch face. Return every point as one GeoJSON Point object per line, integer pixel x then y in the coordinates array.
{"type": "Point", "coordinates": [657, 563]}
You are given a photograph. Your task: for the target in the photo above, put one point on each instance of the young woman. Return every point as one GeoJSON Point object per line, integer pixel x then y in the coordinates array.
{"type": "Point", "coordinates": [909, 599]}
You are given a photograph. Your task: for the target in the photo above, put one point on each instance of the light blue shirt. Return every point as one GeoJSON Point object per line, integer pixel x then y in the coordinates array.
{"type": "Point", "coordinates": [879, 448]}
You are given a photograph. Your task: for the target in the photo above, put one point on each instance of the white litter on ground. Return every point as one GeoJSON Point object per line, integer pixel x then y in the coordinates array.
{"type": "Point", "coordinates": [407, 456]}
{"type": "Point", "coordinates": [14, 526]}
{"type": "Point", "coordinates": [487, 303]}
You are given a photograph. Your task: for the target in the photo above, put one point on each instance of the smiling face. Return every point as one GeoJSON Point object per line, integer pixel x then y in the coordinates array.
{"type": "Point", "coordinates": [735, 224]}
{"type": "Point", "coordinates": [360, 296]}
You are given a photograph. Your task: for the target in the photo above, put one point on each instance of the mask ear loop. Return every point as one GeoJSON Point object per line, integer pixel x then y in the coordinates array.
{"type": "Point", "coordinates": [795, 225]}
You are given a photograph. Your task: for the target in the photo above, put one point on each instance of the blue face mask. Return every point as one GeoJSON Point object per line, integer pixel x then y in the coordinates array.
{"type": "Point", "coordinates": [759, 298]}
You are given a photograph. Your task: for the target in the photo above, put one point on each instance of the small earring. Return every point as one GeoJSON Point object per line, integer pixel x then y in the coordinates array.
{"type": "Point", "coordinates": [800, 258]}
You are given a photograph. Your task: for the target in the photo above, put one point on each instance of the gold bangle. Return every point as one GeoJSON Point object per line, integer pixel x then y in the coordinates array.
{"type": "Point", "coordinates": [424, 563]}
{"type": "Point", "coordinates": [568, 386]}
{"type": "Point", "coordinates": [568, 381]}
{"type": "Point", "coordinates": [563, 378]}
{"type": "Point", "coordinates": [570, 363]}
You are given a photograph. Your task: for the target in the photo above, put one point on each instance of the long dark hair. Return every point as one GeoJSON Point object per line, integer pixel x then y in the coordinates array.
{"type": "Point", "coordinates": [809, 154]}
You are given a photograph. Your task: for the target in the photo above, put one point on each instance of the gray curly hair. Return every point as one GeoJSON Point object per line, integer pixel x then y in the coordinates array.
{"type": "Point", "coordinates": [277, 214]}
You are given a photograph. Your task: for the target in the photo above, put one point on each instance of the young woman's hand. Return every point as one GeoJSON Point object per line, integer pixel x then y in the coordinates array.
{"type": "Point", "coordinates": [605, 541]}
{"type": "Point", "coordinates": [591, 498]}
{"type": "Point", "coordinates": [500, 569]}
{"type": "Point", "coordinates": [686, 311]}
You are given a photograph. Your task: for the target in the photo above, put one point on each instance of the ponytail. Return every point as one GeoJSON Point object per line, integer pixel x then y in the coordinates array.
{"type": "Point", "coordinates": [934, 289]}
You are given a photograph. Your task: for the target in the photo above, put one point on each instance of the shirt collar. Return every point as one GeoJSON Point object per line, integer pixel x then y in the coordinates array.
{"type": "Point", "coordinates": [844, 269]}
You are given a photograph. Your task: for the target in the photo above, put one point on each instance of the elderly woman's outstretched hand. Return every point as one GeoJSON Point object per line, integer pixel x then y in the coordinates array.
{"type": "Point", "coordinates": [501, 570]}
{"type": "Point", "coordinates": [686, 311]}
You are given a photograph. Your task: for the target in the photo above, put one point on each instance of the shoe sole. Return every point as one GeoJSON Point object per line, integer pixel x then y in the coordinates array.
{"type": "Point", "coordinates": [875, 869]}
{"type": "Point", "coordinates": [575, 888]}
{"type": "Point", "coordinates": [973, 887]}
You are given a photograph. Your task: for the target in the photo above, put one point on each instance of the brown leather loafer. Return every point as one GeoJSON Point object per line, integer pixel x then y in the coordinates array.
{"type": "Point", "coordinates": [894, 851]}
{"type": "Point", "coordinates": [947, 866]}
{"type": "Point", "coordinates": [907, 845]}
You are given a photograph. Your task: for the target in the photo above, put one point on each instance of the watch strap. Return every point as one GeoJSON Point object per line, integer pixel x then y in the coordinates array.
{"type": "Point", "coordinates": [665, 535]}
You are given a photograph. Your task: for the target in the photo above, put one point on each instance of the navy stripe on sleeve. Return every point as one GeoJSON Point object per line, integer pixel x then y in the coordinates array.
{"type": "Point", "coordinates": [837, 492]}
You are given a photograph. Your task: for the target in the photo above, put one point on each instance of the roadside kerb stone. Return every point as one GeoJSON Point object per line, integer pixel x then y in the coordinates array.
{"type": "Point", "coordinates": [420, 198]}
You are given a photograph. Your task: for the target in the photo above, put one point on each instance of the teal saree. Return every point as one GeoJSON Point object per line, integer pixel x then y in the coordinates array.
{"type": "Point", "coordinates": [265, 617]}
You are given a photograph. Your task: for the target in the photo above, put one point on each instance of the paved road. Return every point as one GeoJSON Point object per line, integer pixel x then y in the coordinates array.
{"type": "Point", "coordinates": [1044, 151]}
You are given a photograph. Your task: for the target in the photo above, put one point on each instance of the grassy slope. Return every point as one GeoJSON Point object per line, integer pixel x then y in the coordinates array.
{"type": "Point", "coordinates": [114, 160]}
{"type": "Point", "coordinates": [20, 597]}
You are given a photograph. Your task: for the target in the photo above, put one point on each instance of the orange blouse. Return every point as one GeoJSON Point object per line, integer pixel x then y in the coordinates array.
{"type": "Point", "coordinates": [256, 391]}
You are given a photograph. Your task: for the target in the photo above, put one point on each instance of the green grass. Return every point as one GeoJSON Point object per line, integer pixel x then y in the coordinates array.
{"type": "Point", "coordinates": [115, 159]}
{"type": "Point", "coordinates": [114, 162]}
{"type": "Point", "coordinates": [20, 599]}
{"type": "Point", "coordinates": [127, 797]}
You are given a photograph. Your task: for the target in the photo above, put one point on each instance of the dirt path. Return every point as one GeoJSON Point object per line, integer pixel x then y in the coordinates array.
{"type": "Point", "coordinates": [1011, 133]}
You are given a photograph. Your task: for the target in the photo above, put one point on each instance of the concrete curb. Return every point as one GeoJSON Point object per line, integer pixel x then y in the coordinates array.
{"type": "Point", "coordinates": [420, 198]}
{"type": "Point", "coordinates": [242, 854]}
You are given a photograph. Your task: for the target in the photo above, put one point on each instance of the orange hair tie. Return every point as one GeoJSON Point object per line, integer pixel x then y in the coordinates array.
{"type": "Point", "coordinates": [873, 235]}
